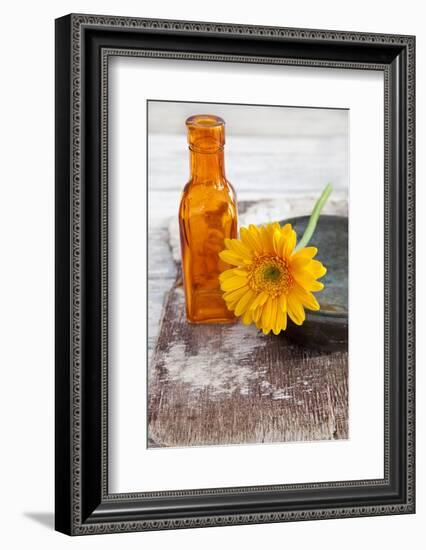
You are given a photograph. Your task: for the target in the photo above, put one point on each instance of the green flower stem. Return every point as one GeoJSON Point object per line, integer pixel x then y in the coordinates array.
{"type": "Point", "coordinates": [309, 231]}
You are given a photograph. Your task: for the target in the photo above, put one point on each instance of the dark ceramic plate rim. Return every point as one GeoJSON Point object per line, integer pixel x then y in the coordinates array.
{"type": "Point", "coordinates": [312, 315]}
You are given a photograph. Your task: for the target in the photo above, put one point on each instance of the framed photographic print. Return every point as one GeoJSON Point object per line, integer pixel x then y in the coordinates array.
{"type": "Point", "coordinates": [234, 274]}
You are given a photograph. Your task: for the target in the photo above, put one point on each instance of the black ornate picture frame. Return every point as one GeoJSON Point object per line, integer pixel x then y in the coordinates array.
{"type": "Point", "coordinates": [84, 43]}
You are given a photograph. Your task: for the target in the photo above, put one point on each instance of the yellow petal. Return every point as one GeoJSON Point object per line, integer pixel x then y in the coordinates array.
{"type": "Point", "coordinates": [226, 274]}
{"type": "Point", "coordinates": [259, 300]}
{"type": "Point", "coordinates": [299, 262]}
{"type": "Point", "coordinates": [243, 302]}
{"type": "Point", "coordinates": [272, 228]}
{"type": "Point", "coordinates": [307, 252]}
{"type": "Point", "coordinates": [233, 283]}
{"type": "Point", "coordinates": [306, 298]}
{"type": "Point", "coordinates": [231, 273]}
{"type": "Point", "coordinates": [307, 282]}
{"type": "Point", "coordinates": [250, 238]}
{"type": "Point", "coordinates": [317, 269]}
{"type": "Point", "coordinates": [239, 248]}
{"type": "Point", "coordinates": [289, 244]}
{"type": "Point", "coordinates": [255, 232]}
{"type": "Point", "coordinates": [240, 272]}
{"type": "Point", "coordinates": [230, 257]}
{"type": "Point", "coordinates": [247, 318]}
{"type": "Point", "coordinates": [284, 323]}
{"type": "Point", "coordinates": [285, 233]}
{"type": "Point", "coordinates": [256, 314]}
{"type": "Point", "coordinates": [282, 302]}
{"type": "Point", "coordinates": [277, 241]}
{"type": "Point", "coordinates": [281, 323]}
{"type": "Point", "coordinates": [233, 295]}
{"type": "Point", "coordinates": [266, 236]}
{"type": "Point", "coordinates": [266, 315]}
{"type": "Point", "coordinates": [276, 329]}
{"type": "Point", "coordinates": [274, 309]}
{"type": "Point", "coordinates": [295, 310]}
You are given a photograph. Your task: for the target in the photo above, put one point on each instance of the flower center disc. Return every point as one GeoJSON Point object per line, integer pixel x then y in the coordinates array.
{"type": "Point", "coordinates": [270, 274]}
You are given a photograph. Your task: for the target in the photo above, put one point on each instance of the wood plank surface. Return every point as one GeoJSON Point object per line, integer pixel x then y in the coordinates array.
{"type": "Point", "coordinates": [222, 384]}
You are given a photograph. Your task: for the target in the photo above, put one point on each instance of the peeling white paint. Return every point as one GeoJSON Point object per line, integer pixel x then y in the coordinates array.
{"type": "Point", "coordinates": [222, 367]}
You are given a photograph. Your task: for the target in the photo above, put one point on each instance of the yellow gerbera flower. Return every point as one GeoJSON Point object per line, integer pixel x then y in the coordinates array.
{"type": "Point", "coordinates": [270, 280]}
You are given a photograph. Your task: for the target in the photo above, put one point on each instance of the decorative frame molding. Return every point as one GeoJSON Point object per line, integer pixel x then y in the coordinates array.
{"type": "Point", "coordinates": [84, 43]}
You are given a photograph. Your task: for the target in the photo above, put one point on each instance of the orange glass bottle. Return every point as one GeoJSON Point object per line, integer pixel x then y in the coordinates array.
{"type": "Point", "coordinates": [207, 215]}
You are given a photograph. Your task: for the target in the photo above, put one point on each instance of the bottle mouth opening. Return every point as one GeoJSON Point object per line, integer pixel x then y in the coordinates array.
{"type": "Point", "coordinates": [204, 121]}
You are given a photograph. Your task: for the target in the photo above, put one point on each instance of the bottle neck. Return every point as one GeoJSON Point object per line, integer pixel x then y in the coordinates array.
{"type": "Point", "coordinates": [207, 166]}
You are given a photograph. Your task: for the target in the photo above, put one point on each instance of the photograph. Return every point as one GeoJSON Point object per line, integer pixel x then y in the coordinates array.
{"type": "Point", "coordinates": [247, 284]}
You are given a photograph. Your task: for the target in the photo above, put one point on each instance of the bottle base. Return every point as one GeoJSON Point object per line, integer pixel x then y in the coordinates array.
{"type": "Point", "coordinates": [219, 321]}
{"type": "Point", "coordinates": [209, 308]}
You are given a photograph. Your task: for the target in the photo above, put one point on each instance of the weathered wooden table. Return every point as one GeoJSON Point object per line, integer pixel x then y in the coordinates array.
{"type": "Point", "coordinates": [224, 384]}
{"type": "Point", "coordinates": [229, 384]}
